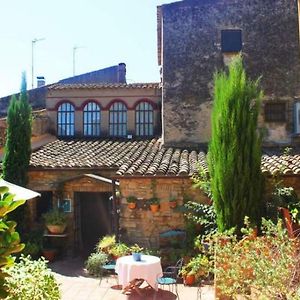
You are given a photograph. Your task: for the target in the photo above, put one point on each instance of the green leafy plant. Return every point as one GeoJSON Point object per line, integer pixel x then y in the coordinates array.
{"type": "Point", "coordinates": [234, 154]}
{"type": "Point", "coordinates": [136, 249]}
{"type": "Point", "coordinates": [131, 199]}
{"type": "Point", "coordinates": [202, 181]}
{"type": "Point", "coordinates": [9, 238]}
{"type": "Point", "coordinates": [33, 243]}
{"type": "Point", "coordinates": [95, 262]}
{"type": "Point", "coordinates": [287, 197]}
{"type": "Point", "coordinates": [258, 268]}
{"type": "Point", "coordinates": [55, 217]}
{"type": "Point", "coordinates": [106, 243]}
{"type": "Point", "coordinates": [202, 214]}
{"type": "Point", "coordinates": [119, 249]}
{"type": "Point", "coordinates": [154, 201]}
{"type": "Point", "coordinates": [31, 279]}
{"type": "Point", "coordinates": [200, 266]}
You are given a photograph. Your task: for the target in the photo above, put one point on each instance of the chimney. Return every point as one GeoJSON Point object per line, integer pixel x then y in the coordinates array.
{"type": "Point", "coordinates": [122, 73]}
{"type": "Point", "coordinates": [40, 81]}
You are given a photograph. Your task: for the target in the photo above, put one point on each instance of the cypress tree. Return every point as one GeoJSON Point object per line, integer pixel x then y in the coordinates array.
{"type": "Point", "coordinates": [18, 146]}
{"type": "Point", "coordinates": [234, 155]}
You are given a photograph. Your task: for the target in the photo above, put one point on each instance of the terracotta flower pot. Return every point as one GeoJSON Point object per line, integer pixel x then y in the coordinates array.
{"type": "Point", "coordinates": [49, 254]}
{"type": "Point", "coordinates": [132, 205]}
{"type": "Point", "coordinates": [189, 279]}
{"type": "Point", "coordinates": [172, 204]}
{"type": "Point", "coordinates": [56, 229]}
{"type": "Point", "coordinates": [154, 207]}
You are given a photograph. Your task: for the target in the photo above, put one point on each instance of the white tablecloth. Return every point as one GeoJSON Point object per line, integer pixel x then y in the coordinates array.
{"type": "Point", "coordinates": [149, 269]}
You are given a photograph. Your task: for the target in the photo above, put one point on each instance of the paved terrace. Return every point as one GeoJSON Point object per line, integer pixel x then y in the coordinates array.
{"type": "Point", "coordinates": [76, 285]}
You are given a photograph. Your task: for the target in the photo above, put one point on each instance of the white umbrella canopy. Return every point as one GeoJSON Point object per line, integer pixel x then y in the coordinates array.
{"type": "Point", "coordinates": [19, 192]}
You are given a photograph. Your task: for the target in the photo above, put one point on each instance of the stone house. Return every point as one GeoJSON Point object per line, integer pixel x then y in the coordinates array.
{"type": "Point", "coordinates": [149, 139]}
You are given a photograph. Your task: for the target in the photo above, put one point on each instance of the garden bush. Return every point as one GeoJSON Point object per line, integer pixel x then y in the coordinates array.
{"type": "Point", "coordinates": [31, 279]}
{"type": "Point", "coordinates": [95, 263]}
{"type": "Point", "coordinates": [265, 267]}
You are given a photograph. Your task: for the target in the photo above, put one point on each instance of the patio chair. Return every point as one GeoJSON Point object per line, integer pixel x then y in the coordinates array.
{"type": "Point", "coordinates": [170, 277]}
{"type": "Point", "coordinates": [110, 268]}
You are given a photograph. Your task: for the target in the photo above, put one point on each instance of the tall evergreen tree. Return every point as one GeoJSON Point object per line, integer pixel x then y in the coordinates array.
{"type": "Point", "coordinates": [18, 148]}
{"type": "Point", "coordinates": [234, 156]}
{"type": "Point", "coordinates": [18, 138]}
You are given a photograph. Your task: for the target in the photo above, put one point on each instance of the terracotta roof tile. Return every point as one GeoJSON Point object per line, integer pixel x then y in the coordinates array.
{"type": "Point", "coordinates": [127, 157]}
{"type": "Point", "coordinates": [141, 158]}
{"type": "Point", "coordinates": [64, 86]}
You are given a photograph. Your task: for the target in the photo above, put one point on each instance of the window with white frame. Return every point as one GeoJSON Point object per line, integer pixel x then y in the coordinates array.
{"type": "Point", "coordinates": [118, 120]}
{"type": "Point", "coordinates": [66, 119]}
{"type": "Point", "coordinates": [144, 119]}
{"type": "Point", "coordinates": [91, 119]}
{"type": "Point", "coordinates": [297, 117]}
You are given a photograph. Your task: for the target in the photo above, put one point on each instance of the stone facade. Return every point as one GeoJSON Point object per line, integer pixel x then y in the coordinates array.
{"type": "Point", "coordinates": [189, 45]}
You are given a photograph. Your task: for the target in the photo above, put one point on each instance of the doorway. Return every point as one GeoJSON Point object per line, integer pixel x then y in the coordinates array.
{"type": "Point", "coordinates": [93, 219]}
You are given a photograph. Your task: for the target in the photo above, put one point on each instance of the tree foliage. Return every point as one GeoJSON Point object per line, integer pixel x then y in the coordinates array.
{"type": "Point", "coordinates": [234, 156]}
{"type": "Point", "coordinates": [9, 238]}
{"type": "Point", "coordinates": [18, 138]}
{"type": "Point", "coordinates": [18, 147]}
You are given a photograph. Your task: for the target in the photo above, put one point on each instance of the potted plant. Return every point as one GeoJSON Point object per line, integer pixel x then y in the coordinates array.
{"type": "Point", "coordinates": [118, 250]}
{"type": "Point", "coordinates": [106, 243]}
{"type": "Point", "coordinates": [49, 254]}
{"type": "Point", "coordinates": [131, 201]}
{"type": "Point", "coordinates": [172, 202]}
{"type": "Point", "coordinates": [197, 267]}
{"type": "Point", "coordinates": [56, 221]}
{"type": "Point", "coordinates": [154, 204]}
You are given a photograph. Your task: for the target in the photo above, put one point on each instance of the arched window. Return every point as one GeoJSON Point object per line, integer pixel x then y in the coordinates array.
{"type": "Point", "coordinates": [144, 119]}
{"type": "Point", "coordinates": [91, 119]}
{"type": "Point", "coordinates": [66, 120]}
{"type": "Point", "coordinates": [118, 119]}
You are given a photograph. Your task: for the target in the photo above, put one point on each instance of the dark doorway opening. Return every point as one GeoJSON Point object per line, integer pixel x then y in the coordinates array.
{"type": "Point", "coordinates": [93, 219]}
{"type": "Point", "coordinates": [43, 205]}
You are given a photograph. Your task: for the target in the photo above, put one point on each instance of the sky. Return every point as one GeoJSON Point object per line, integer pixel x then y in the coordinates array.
{"type": "Point", "coordinates": [105, 32]}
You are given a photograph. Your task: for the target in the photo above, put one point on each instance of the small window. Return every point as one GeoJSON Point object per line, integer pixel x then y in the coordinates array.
{"type": "Point", "coordinates": [118, 120]}
{"type": "Point", "coordinates": [66, 120]}
{"type": "Point", "coordinates": [91, 119]}
{"type": "Point", "coordinates": [231, 40]}
{"type": "Point", "coordinates": [144, 119]}
{"type": "Point", "coordinates": [275, 112]}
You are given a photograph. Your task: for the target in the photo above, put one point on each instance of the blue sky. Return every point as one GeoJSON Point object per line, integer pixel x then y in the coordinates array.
{"type": "Point", "coordinates": [110, 32]}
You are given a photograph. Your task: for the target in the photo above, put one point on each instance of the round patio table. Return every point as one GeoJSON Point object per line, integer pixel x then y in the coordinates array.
{"type": "Point", "coordinates": [128, 270]}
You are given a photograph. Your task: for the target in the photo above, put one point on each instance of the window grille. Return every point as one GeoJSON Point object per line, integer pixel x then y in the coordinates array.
{"type": "Point", "coordinates": [91, 119]}
{"type": "Point", "coordinates": [66, 120]}
{"type": "Point", "coordinates": [144, 119]}
{"type": "Point", "coordinates": [118, 120]}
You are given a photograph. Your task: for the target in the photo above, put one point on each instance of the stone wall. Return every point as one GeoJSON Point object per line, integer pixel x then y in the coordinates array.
{"type": "Point", "coordinates": [191, 53]}
{"type": "Point", "coordinates": [141, 225]}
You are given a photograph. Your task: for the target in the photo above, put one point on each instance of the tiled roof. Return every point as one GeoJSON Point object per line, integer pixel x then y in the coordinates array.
{"type": "Point", "coordinates": [128, 157]}
{"type": "Point", "coordinates": [60, 86]}
{"type": "Point", "coordinates": [141, 158]}
{"type": "Point", "coordinates": [276, 163]}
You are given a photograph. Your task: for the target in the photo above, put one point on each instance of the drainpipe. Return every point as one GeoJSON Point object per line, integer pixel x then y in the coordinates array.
{"type": "Point", "coordinates": [115, 225]}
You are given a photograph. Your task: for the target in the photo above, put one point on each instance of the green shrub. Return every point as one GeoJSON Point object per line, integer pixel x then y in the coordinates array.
{"type": "Point", "coordinates": [9, 238]}
{"type": "Point", "coordinates": [265, 267]}
{"type": "Point", "coordinates": [31, 279]}
{"type": "Point", "coordinates": [95, 263]}
{"type": "Point", "coordinates": [55, 217]}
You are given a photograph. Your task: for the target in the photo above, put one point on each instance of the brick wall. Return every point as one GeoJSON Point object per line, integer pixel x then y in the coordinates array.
{"type": "Point", "coordinates": [141, 225]}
